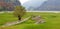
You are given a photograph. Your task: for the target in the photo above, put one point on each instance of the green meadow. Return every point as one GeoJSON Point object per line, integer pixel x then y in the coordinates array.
{"type": "Point", "coordinates": [52, 21]}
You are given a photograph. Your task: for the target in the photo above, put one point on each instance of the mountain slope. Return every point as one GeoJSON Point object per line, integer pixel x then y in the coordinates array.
{"type": "Point", "coordinates": [33, 3]}
{"type": "Point", "coordinates": [8, 5]}
{"type": "Point", "coordinates": [49, 5]}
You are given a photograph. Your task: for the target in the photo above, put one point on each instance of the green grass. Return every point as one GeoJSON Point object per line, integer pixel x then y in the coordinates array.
{"type": "Point", "coordinates": [52, 21]}
{"type": "Point", "coordinates": [6, 17]}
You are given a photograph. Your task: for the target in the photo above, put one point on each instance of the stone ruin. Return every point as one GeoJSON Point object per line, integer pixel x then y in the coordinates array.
{"type": "Point", "coordinates": [38, 19]}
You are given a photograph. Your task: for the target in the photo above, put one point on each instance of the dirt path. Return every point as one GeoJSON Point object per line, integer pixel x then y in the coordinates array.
{"type": "Point", "coordinates": [16, 22]}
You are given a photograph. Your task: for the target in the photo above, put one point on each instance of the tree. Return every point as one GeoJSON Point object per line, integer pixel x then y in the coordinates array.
{"type": "Point", "coordinates": [19, 11]}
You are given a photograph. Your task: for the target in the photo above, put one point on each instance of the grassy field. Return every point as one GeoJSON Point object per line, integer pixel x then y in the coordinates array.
{"type": "Point", "coordinates": [52, 21]}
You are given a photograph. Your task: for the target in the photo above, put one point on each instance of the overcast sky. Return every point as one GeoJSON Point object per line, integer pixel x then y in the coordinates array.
{"type": "Point", "coordinates": [23, 1]}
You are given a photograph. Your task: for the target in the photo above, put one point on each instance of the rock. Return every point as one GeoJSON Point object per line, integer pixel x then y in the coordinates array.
{"type": "Point", "coordinates": [38, 19]}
